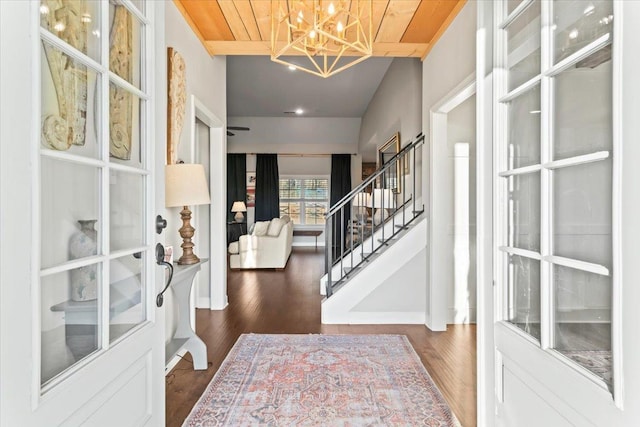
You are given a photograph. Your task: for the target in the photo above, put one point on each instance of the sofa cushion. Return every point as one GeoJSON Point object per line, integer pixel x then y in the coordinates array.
{"type": "Point", "coordinates": [275, 226]}
{"type": "Point", "coordinates": [234, 248]}
{"type": "Point", "coordinates": [260, 228]}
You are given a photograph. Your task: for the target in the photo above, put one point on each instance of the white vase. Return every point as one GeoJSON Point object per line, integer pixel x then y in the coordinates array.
{"type": "Point", "coordinates": [84, 279]}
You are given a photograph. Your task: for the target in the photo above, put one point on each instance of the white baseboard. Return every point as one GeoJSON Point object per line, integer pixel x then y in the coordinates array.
{"type": "Point", "coordinates": [308, 244]}
{"type": "Point", "coordinates": [202, 302]}
{"type": "Point", "coordinates": [383, 318]}
{"type": "Point", "coordinates": [173, 362]}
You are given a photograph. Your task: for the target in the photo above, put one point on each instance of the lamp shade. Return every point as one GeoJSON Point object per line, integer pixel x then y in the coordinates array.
{"type": "Point", "coordinates": [383, 198]}
{"type": "Point", "coordinates": [362, 199]}
{"type": "Point", "coordinates": [238, 207]}
{"type": "Point", "coordinates": [185, 185]}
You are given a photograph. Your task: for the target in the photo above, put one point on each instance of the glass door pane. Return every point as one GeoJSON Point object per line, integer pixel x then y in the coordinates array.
{"type": "Point", "coordinates": [70, 313]}
{"type": "Point", "coordinates": [69, 199]}
{"type": "Point", "coordinates": [125, 44]}
{"type": "Point", "coordinates": [523, 278]}
{"type": "Point", "coordinates": [523, 46]}
{"type": "Point", "coordinates": [576, 23]}
{"type": "Point", "coordinates": [524, 212]}
{"type": "Point", "coordinates": [69, 102]}
{"type": "Point", "coordinates": [582, 312]}
{"type": "Point", "coordinates": [583, 107]}
{"type": "Point", "coordinates": [127, 199]}
{"type": "Point", "coordinates": [74, 22]}
{"type": "Point", "coordinates": [126, 307]}
{"type": "Point", "coordinates": [582, 198]}
{"type": "Point", "coordinates": [523, 148]}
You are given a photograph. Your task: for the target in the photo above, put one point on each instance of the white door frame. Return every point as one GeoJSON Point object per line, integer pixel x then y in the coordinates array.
{"type": "Point", "coordinates": [218, 190]}
{"type": "Point", "coordinates": [436, 316]}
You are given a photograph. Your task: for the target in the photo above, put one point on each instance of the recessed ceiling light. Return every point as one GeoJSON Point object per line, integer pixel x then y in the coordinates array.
{"type": "Point", "coordinates": [299, 111]}
{"type": "Point", "coordinates": [292, 67]}
{"type": "Point", "coordinates": [534, 112]}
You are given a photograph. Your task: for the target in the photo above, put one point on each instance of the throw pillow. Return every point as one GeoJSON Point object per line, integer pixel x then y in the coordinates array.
{"type": "Point", "coordinates": [275, 226]}
{"type": "Point", "coordinates": [261, 228]}
{"type": "Point", "coordinates": [285, 218]}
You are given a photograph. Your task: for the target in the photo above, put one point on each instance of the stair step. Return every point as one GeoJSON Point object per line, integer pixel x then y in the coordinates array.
{"type": "Point", "coordinates": [348, 270]}
{"type": "Point", "coordinates": [418, 212]}
{"type": "Point", "coordinates": [386, 241]}
{"type": "Point", "coordinates": [402, 227]}
{"type": "Point", "coordinates": [370, 255]}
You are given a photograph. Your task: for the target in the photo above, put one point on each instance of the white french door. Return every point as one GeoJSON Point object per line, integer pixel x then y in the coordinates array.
{"type": "Point", "coordinates": [82, 102]}
{"type": "Point", "coordinates": [560, 200]}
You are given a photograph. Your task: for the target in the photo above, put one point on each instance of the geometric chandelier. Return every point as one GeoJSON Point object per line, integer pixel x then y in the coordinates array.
{"type": "Point", "coordinates": [327, 36]}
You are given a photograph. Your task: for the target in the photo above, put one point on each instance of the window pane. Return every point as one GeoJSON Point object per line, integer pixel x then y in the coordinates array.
{"type": "Point", "coordinates": [582, 197]}
{"type": "Point", "coordinates": [524, 294]}
{"type": "Point", "coordinates": [75, 22]}
{"type": "Point", "coordinates": [126, 309]}
{"type": "Point", "coordinates": [124, 126]}
{"type": "Point", "coordinates": [524, 130]}
{"type": "Point", "coordinates": [316, 189]}
{"type": "Point", "coordinates": [69, 202]}
{"type": "Point", "coordinates": [582, 305]}
{"type": "Point", "coordinates": [314, 213]}
{"type": "Point", "coordinates": [523, 47]}
{"type": "Point", "coordinates": [69, 325]}
{"type": "Point", "coordinates": [126, 210]}
{"type": "Point", "coordinates": [583, 108]}
{"type": "Point", "coordinates": [524, 211]}
{"type": "Point", "coordinates": [577, 23]}
{"type": "Point", "coordinates": [124, 44]}
{"type": "Point", "coordinates": [290, 188]}
{"type": "Point", "coordinates": [292, 209]}
{"type": "Point", "coordinates": [69, 101]}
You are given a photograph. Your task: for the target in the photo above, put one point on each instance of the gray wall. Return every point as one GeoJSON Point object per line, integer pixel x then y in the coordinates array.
{"type": "Point", "coordinates": [395, 107]}
{"type": "Point", "coordinates": [448, 64]}
{"type": "Point", "coordinates": [206, 79]}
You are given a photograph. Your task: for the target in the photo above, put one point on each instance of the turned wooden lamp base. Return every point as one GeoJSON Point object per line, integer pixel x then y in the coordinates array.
{"type": "Point", "coordinates": [186, 232]}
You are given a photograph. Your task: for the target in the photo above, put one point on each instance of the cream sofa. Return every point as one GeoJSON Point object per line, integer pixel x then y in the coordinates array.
{"type": "Point", "coordinates": [268, 246]}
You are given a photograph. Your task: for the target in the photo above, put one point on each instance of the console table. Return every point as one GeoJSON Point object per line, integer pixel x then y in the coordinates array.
{"type": "Point", "coordinates": [185, 337]}
{"type": "Point", "coordinates": [313, 233]}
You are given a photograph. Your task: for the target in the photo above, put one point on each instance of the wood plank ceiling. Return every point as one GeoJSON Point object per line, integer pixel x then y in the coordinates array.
{"type": "Point", "coordinates": [402, 28]}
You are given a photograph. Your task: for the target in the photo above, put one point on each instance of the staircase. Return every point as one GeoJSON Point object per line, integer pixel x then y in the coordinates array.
{"type": "Point", "coordinates": [370, 231]}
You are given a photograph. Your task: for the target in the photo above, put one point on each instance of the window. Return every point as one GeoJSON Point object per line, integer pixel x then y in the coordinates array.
{"type": "Point", "coordinates": [304, 199]}
{"type": "Point", "coordinates": [556, 178]}
{"type": "Point", "coordinates": [95, 180]}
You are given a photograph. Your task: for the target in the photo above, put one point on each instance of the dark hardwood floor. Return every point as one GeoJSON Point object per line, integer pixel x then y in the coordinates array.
{"type": "Point", "coordinates": [288, 302]}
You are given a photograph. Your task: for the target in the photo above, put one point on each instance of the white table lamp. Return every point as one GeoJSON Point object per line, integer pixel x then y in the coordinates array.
{"type": "Point", "coordinates": [186, 185]}
{"type": "Point", "coordinates": [238, 208]}
{"type": "Point", "coordinates": [361, 202]}
{"type": "Point", "coordinates": [382, 200]}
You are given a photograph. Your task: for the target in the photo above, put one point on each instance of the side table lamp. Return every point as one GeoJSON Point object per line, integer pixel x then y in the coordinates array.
{"type": "Point", "coordinates": [186, 185]}
{"type": "Point", "coordinates": [382, 200]}
{"type": "Point", "coordinates": [238, 208]}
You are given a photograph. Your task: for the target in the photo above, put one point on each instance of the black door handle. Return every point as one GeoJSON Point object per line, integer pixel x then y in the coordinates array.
{"type": "Point", "coordinates": [161, 224]}
{"type": "Point", "coordinates": [160, 261]}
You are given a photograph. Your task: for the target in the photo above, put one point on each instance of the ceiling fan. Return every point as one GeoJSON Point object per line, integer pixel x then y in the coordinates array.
{"type": "Point", "coordinates": [235, 128]}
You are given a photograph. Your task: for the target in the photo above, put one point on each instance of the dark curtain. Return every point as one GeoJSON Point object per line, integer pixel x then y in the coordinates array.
{"type": "Point", "coordinates": [236, 181]}
{"type": "Point", "coordinates": [340, 187]}
{"type": "Point", "coordinates": [267, 188]}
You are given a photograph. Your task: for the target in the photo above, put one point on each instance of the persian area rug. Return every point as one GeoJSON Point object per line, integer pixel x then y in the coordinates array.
{"type": "Point", "coordinates": [330, 380]}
